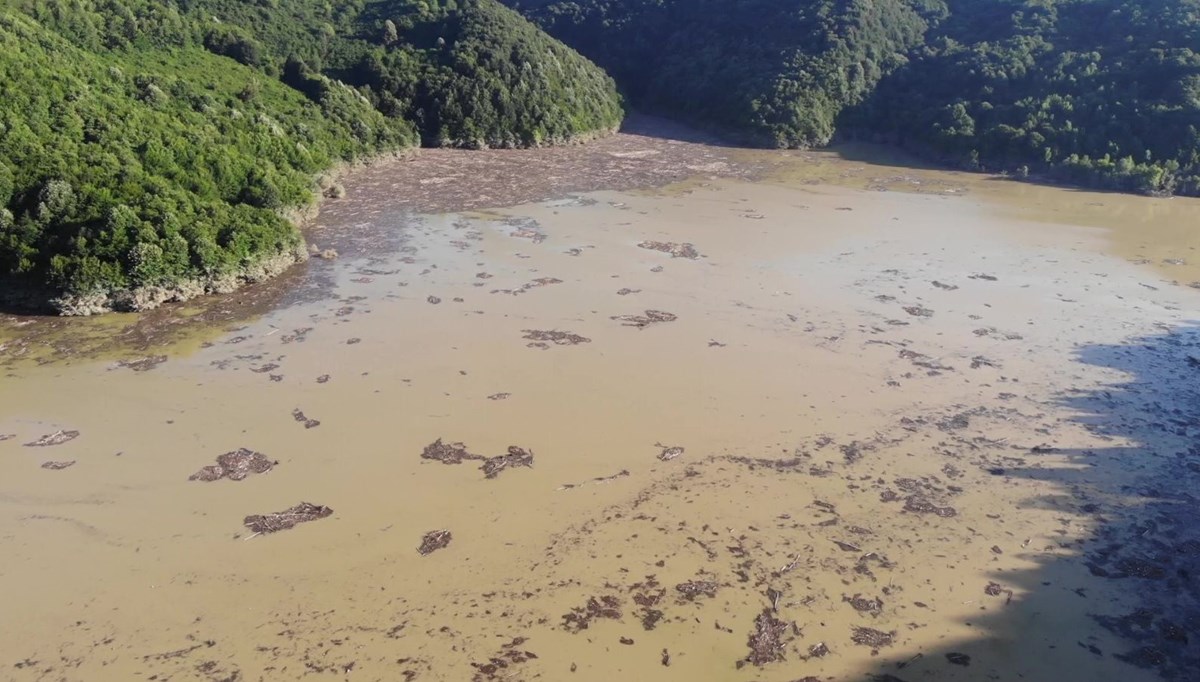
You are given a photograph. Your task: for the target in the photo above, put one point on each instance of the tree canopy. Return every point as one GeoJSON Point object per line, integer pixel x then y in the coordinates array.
{"type": "Point", "coordinates": [762, 71]}
{"type": "Point", "coordinates": [147, 145]}
{"type": "Point", "coordinates": [1098, 92]}
{"type": "Point", "coordinates": [159, 145]}
{"type": "Point", "coordinates": [1103, 93]}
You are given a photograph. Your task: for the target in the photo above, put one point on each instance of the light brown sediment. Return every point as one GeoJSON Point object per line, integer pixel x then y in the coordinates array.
{"type": "Point", "coordinates": [836, 463]}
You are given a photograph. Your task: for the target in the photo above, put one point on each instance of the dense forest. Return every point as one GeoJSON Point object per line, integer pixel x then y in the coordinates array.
{"type": "Point", "coordinates": [153, 150]}
{"type": "Point", "coordinates": [1104, 93]}
{"type": "Point", "coordinates": [1098, 92]}
{"type": "Point", "coordinates": [760, 71]}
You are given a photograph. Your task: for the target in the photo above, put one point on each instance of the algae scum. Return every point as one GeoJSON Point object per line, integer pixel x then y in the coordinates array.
{"type": "Point", "coordinates": [771, 423]}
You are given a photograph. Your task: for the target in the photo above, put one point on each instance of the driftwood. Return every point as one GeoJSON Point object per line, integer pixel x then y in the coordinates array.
{"type": "Point", "coordinates": [767, 641]}
{"type": "Point", "coordinates": [286, 519]}
{"type": "Point", "coordinates": [643, 321]}
{"type": "Point", "coordinates": [539, 282]}
{"type": "Point", "coordinates": [457, 453]}
{"type": "Point", "coordinates": [918, 311]}
{"type": "Point", "coordinates": [542, 337]}
{"type": "Point", "coordinates": [599, 479]}
{"type": "Point", "coordinates": [235, 466]}
{"type": "Point", "coordinates": [433, 541]}
{"type": "Point", "coordinates": [143, 364]}
{"type": "Point", "coordinates": [677, 250]}
{"type": "Point", "coordinates": [580, 618]}
{"type": "Point", "coordinates": [448, 453]}
{"type": "Point", "coordinates": [692, 589]}
{"type": "Point", "coordinates": [920, 505]}
{"type": "Point", "coordinates": [995, 589]}
{"type": "Point", "coordinates": [56, 438]}
{"type": "Point", "coordinates": [498, 667]}
{"type": "Point", "coordinates": [516, 457]}
{"type": "Point", "coordinates": [299, 416]}
{"type": "Point", "coordinates": [872, 637]}
{"type": "Point", "coordinates": [669, 452]}
{"type": "Point", "coordinates": [864, 605]}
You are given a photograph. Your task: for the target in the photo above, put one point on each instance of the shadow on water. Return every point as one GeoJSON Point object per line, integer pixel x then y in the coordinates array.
{"type": "Point", "coordinates": [904, 159]}
{"type": "Point", "coordinates": [1136, 574]}
{"type": "Point", "coordinates": [887, 155]}
{"type": "Point", "coordinates": [640, 124]}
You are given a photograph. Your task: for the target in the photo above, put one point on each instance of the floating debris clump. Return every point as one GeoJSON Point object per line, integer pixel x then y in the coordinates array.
{"type": "Point", "coordinates": [56, 438]}
{"type": "Point", "coordinates": [287, 519]}
{"type": "Point", "coordinates": [235, 466]}
{"type": "Point", "coordinates": [433, 541]}
{"type": "Point", "coordinates": [677, 250]}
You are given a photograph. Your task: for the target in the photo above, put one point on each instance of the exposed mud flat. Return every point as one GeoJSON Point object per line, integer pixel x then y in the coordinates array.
{"type": "Point", "coordinates": [947, 434]}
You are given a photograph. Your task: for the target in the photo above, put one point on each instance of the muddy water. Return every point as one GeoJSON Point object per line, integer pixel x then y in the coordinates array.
{"type": "Point", "coordinates": [923, 432]}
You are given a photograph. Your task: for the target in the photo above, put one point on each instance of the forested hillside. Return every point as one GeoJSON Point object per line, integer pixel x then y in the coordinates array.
{"type": "Point", "coordinates": [150, 150]}
{"type": "Point", "coordinates": [1098, 92]}
{"type": "Point", "coordinates": [762, 71]}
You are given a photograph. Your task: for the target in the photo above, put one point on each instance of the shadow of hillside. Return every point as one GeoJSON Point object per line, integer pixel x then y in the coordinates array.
{"type": "Point", "coordinates": [641, 124]}
{"type": "Point", "coordinates": [1137, 576]}
{"type": "Point", "coordinates": [890, 153]}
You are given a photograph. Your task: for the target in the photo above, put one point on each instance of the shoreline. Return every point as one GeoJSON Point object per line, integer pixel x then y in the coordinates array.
{"type": "Point", "coordinates": [385, 201]}
{"type": "Point", "coordinates": [485, 168]}
{"type": "Point", "coordinates": [40, 301]}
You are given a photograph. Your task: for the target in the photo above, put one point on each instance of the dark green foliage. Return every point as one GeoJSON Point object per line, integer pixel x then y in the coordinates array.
{"type": "Point", "coordinates": [147, 142]}
{"type": "Point", "coordinates": [1098, 92]}
{"type": "Point", "coordinates": [770, 72]}
{"type": "Point", "coordinates": [150, 143]}
{"type": "Point", "coordinates": [141, 168]}
{"type": "Point", "coordinates": [492, 79]}
{"type": "Point", "coordinates": [233, 42]}
{"type": "Point", "coordinates": [466, 72]}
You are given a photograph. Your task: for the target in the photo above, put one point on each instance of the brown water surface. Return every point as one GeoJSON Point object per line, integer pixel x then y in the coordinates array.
{"type": "Point", "coordinates": [952, 414]}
